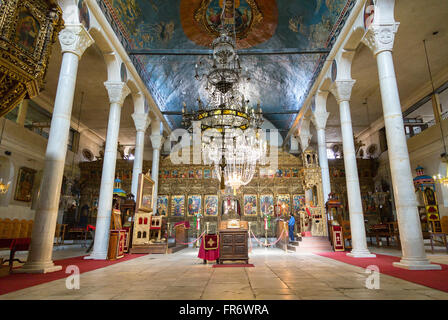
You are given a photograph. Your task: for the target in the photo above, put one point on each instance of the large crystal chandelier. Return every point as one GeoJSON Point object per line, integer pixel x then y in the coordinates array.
{"type": "Point", "coordinates": [234, 154]}
{"type": "Point", "coordinates": [232, 140]}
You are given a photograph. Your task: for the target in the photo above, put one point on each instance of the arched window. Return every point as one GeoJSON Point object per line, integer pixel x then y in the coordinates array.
{"type": "Point", "coordinates": [139, 234]}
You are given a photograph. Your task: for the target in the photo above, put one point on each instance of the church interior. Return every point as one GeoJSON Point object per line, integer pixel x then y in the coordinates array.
{"type": "Point", "coordinates": [223, 150]}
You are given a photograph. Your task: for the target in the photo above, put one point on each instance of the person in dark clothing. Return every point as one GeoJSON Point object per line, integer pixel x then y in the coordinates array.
{"type": "Point", "coordinates": [291, 224]}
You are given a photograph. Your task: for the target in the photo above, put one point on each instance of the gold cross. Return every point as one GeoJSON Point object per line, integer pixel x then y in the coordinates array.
{"type": "Point", "coordinates": [210, 242]}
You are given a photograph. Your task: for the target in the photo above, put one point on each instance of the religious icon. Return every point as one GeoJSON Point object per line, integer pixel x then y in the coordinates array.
{"type": "Point", "coordinates": [295, 173]}
{"type": "Point", "coordinates": [267, 204]}
{"type": "Point", "coordinates": [230, 206]}
{"type": "Point", "coordinates": [198, 174]}
{"type": "Point", "coordinates": [430, 197]}
{"type": "Point", "coordinates": [223, 12]}
{"type": "Point", "coordinates": [27, 30]}
{"type": "Point", "coordinates": [84, 16]}
{"type": "Point", "coordinates": [174, 174]}
{"type": "Point", "coordinates": [211, 205]}
{"type": "Point", "coordinates": [283, 204]}
{"type": "Point", "coordinates": [207, 174]}
{"type": "Point", "coordinates": [369, 13]}
{"type": "Point", "coordinates": [177, 203]}
{"type": "Point", "coordinates": [162, 205]}
{"type": "Point", "coordinates": [250, 204]}
{"type": "Point", "coordinates": [194, 205]}
{"type": "Point", "coordinates": [25, 182]}
{"type": "Point", "coordinates": [191, 174]}
{"type": "Point", "coordinates": [298, 202]}
{"type": "Point", "coordinates": [144, 193]}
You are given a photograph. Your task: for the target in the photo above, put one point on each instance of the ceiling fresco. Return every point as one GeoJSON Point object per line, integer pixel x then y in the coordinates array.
{"type": "Point", "coordinates": [279, 82]}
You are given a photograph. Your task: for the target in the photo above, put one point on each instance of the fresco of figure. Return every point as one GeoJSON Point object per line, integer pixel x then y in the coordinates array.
{"type": "Point", "coordinates": [27, 30]}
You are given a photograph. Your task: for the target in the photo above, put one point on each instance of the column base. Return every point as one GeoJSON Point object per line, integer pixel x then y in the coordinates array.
{"type": "Point", "coordinates": [423, 264]}
{"type": "Point", "coordinates": [361, 254]}
{"type": "Point", "coordinates": [38, 267]}
{"type": "Point", "coordinates": [96, 256]}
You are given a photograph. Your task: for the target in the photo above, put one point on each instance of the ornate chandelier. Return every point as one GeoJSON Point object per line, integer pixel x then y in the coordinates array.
{"type": "Point", "coordinates": [231, 128]}
{"type": "Point", "coordinates": [226, 107]}
{"type": "Point", "coordinates": [4, 187]}
{"type": "Point", "coordinates": [443, 180]}
{"type": "Point", "coordinates": [235, 157]}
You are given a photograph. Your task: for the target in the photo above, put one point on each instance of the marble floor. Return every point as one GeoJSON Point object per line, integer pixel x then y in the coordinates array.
{"type": "Point", "coordinates": [276, 275]}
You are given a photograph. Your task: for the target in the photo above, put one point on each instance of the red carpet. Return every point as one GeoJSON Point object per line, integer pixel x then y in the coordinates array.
{"type": "Point", "coordinates": [18, 281]}
{"type": "Point", "coordinates": [306, 234]}
{"type": "Point", "coordinates": [250, 265]}
{"type": "Point", "coordinates": [436, 279]}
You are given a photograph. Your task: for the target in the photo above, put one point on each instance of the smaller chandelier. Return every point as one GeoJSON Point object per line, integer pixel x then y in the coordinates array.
{"type": "Point", "coordinates": [442, 179]}
{"type": "Point", "coordinates": [4, 187]}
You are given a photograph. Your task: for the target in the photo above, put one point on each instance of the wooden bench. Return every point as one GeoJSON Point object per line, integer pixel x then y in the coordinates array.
{"type": "Point", "coordinates": [13, 229]}
{"type": "Point", "coordinates": [15, 235]}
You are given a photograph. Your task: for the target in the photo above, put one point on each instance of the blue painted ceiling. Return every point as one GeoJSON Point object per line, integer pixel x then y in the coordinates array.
{"type": "Point", "coordinates": [279, 82]}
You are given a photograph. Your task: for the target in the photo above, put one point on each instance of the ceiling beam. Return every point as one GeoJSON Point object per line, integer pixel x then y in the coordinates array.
{"type": "Point", "coordinates": [207, 52]}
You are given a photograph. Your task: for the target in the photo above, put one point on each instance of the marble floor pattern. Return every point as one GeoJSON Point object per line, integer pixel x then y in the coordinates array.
{"type": "Point", "coordinates": [276, 275]}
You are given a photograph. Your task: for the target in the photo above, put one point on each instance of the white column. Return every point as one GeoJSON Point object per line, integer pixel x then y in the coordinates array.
{"type": "Point", "coordinates": [342, 91]}
{"type": "Point", "coordinates": [141, 121]}
{"type": "Point", "coordinates": [380, 38]}
{"type": "Point", "coordinates": [304, 134]}
{"type": "Point", "coordinates": [320, 117]}
{"type": "Point", "coordinates": [117, 93]}
{"type": "Point", "coordinates": [74, 40]}
{"type": "Point", "coordinates": [156, 141]}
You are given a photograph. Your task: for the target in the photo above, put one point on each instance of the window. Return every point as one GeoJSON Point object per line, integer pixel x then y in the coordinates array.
{"type": "Point", "coordinates": [13, 114]}
{"type": "Point", "coordinates": [38, 120]}
{"type": "Point", "coordinates": [383, 140]}
{"type": "Point", "coordinates": [73, 140]}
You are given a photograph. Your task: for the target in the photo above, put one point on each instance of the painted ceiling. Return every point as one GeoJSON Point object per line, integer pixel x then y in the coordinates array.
{"type": "Point", "coordinates": [279, 82]}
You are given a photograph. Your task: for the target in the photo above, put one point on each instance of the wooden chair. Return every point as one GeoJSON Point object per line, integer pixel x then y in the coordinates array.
{"type": "Point", "coordinates": [1, 227]}
{"type": "Point", "coordinates": [7, 229]}
{"type": "Point", "coordinates": [16, 226]}
{"type": "Point", "coordinates": [346, 233]}
{"type": "Point", "coordinates": [29, 229]}
{"type": "Point", "coordinates": [59, 233]}
{"type": "Point", "coordinates": [23, 228]}
{"type": "Point", "coordinates": [394, 232]}
{"type": "Point", "coordinates": [444, 223]}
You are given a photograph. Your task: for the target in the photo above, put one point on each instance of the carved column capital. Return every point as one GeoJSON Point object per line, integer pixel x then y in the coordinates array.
{"type": "Point", "coordinates": [141, 121]}
{"type": "Point", "coordinates": [74, 38]}
{"type": "Point", "coordinates": [320, 119]}
{"type": "Point", "coordinates": [342, 89]}
{"type": "Point", "coordinates": [156, 141]}
{"type": "Point", "coordinates": [381, 38]}
{"type": "Point", "coordinates": [118, 91]}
